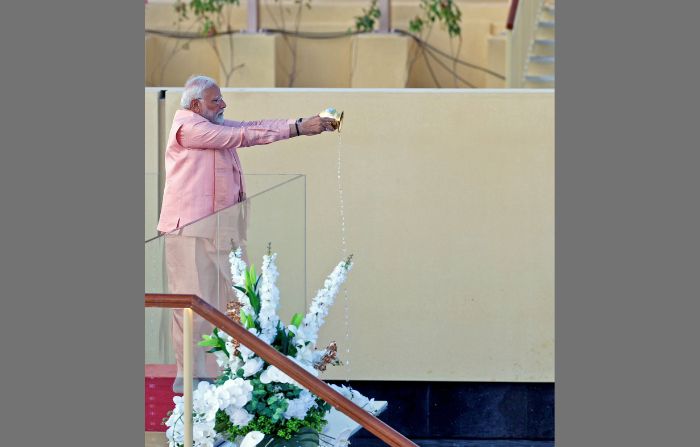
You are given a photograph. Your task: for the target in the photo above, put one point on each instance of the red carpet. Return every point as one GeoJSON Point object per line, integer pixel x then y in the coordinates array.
{"type": "Point", "coordinates": [159, 395]}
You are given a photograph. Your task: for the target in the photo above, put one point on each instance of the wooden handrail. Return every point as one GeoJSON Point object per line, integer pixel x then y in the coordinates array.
{"type": "Point", "coordinates": [512, 11]}
{"type": "Point", "coordinates": [276, 358]}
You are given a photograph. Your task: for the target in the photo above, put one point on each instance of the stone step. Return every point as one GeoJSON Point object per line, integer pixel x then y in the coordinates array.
{"type": "Point", "coordinates": [537, 59]}
{"type": "Point", "coordinates": [543, 47]}
{"type": "Point", "coordinates": [545, 42]}
{"type": "Point", "coordinates": [544, 33]}
{"type": "Point", "coordinates": [539, 79]}
{"type": "Point", "coordinates": [533, 86]}
{"type": "Point", "coordinates": [546, 23]}
{"type": "Point", "coordinates": [540, 69]}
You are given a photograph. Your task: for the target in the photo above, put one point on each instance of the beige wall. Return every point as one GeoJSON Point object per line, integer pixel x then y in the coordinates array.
{"type": "Point", "coordinates": [324, 63]}
{"type": "Point", "coordinates": [497, 61]}
{"type": "Point", "coordinates": [449, 207]}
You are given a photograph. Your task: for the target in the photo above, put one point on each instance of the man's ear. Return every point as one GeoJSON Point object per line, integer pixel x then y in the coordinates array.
{"type": "Point", "coordinates": [194, 106]}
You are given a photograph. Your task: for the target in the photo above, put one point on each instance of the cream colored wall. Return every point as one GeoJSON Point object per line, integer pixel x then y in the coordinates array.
{"type": "Point", "coordinates": [497, 61]}
{"type": "Point", "coordinates": [449, 208]}
{"type": "Point", "coordinates": [380, 59]}
{"type": "Point", "coordinates": [175, 60]}
{"type": "Point", "coordinates": [325, 63]}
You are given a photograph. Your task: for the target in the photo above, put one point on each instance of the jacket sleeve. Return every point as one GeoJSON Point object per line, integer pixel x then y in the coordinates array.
{"type": "Point", "coordinates": [206, 135]}
{"type": "Point", "coordinates": [264, 123]}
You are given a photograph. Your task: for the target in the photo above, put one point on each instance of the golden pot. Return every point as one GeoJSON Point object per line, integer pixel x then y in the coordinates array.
{"type": "Point", "coordinates": [337, 117]}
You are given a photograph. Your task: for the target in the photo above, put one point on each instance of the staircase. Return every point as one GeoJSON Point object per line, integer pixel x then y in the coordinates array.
{"type": "Point", "coordinates": [539, 67]}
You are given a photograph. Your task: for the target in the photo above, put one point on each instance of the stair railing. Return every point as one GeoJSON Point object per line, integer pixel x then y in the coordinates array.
{"type": "Point", "coordinates": [521, 25]}
{"type": "Point", "coordinates": [193, 304]}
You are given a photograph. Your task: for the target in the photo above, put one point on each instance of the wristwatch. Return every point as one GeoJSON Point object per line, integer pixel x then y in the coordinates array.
{"type": "Point", "coordinates": [296, 124]}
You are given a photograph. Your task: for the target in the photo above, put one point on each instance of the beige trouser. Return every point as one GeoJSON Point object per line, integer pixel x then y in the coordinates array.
{"type": "Point", "coordinates": [195, 265]}
{"type": "Point", "coordinates": [197, 262]}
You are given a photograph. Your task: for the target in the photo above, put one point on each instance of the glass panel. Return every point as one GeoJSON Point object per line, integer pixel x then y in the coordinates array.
{"type": "Point", "coordinates": [195, 260]}
{"type": "Point", "coordinates": [275, 216]}
{"type": "Point", "coordinates": [152, 209]}
{"type": "Point", "coordinates": [259, 183]}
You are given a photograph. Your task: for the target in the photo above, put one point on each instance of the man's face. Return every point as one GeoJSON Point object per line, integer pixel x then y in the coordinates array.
{"type": "Point", "coordinates": [211, 106]}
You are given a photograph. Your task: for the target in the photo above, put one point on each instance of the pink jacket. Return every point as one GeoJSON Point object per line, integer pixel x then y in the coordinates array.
{"type": "Point", "coordinates": [202, 169]}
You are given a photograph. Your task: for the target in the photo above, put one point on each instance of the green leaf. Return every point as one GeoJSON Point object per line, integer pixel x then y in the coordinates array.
{"type": "Point", "coordinates": [247, 320]}
{"type": "Point", "coordinates": [222, 421]}
{"type": "Point", "coordinates": [306, 437]}
{"type": "Point", "coordinates": [257, 283]}
{"type": "Point", "coordinates": [250, 277]}
{"type": "Point", "coordinates": [297, 319]}
{"type": "Point", "coordinates": [211, 341]}
{"type": "Point", "coordinates": [254, 301]}
{"type": "Point", "coordinates": [283, 340]}
{"type": "Point", "coordinates": [248, 281]}
{"type": "Point", "coordinates": [250, 323]}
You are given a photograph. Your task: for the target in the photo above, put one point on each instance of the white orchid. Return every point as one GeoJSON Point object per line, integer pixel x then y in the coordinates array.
{"type": "Point", "coordinates": [259, 298]}
{"type": "Point", "coordinates": [238, 267]}
{"type": "Point", "coordinates": [239, 416]}
{"type": "Point", "coordinates": [269, 299]}
{"type": "Point", "coordinates": [300, 406]}
{"type": "Point", "coordinates": [234, 393]}
{"type": "Point", "coordinates": [353, 395]}
{"type": "Point", "coordinates": [274, 374]}
{"type": "Point", "coordinates": [252, 366]}
{"type": "Point", "coordinates": [252, 439]}
{"type": "Point", "coordinates": [207, 400]}
{"type": "Point", "coordinates": [318, 310]}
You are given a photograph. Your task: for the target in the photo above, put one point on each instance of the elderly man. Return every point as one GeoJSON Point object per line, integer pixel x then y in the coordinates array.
{"type": "Point", "coordinates": [202, 169]}
{"type": "Point", "coordinates": [203, 175]}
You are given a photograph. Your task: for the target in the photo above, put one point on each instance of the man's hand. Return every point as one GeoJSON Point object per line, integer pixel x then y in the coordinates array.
{"type": "Point", "coordinates": [315, 125]}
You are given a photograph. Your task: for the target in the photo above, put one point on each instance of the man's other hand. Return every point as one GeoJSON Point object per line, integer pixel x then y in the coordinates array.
{"type": "Point", "coordinates": [315, 125]}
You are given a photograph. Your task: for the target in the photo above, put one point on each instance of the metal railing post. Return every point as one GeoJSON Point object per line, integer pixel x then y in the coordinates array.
{"type": "Point", "coordinates": [187, 378]}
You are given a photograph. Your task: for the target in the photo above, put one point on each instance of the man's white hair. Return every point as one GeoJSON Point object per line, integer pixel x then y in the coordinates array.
{"type": "Point", "coordinates": [194, 88]}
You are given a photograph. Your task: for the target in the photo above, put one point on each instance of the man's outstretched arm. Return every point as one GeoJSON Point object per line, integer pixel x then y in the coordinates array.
{"type": "Point", "coordinates": [307, 126]}
{"type": "Point", "coordinates": [234, 134]}
{"type": "Point", "coordinates": [206, 135]}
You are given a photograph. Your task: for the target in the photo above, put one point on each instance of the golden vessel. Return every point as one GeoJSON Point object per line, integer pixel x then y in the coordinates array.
{"type": "Point", "coordinates": [337, 117]}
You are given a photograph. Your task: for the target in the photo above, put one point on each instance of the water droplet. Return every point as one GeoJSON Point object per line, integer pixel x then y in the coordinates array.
{"type": "Point", "coordinates": [343, 249]}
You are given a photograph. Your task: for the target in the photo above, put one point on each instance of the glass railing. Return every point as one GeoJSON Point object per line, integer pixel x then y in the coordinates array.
{"type": "Point", "coordinates": [151, 200]}
{"type": "Point", "coordinates": [195, 260]}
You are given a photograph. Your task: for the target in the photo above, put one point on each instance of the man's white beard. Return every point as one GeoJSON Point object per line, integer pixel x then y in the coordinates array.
{"type": "Point", "coordinates": [219, 118]}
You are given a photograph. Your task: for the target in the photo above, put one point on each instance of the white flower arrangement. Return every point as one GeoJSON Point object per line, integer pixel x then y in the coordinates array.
{"type": "Point", "coordinates": [229, 397]}
{"type": "Point", "coordinates": [251, 398]}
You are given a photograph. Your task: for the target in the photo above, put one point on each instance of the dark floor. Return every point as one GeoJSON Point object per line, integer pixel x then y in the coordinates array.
{"type": "Point", "coordinates": [366, 442]}
{"type": "Point", "coordinates": [472, 414]}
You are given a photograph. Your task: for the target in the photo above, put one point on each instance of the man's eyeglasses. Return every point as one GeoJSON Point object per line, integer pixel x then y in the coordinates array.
{"type": "Point", "coordinates": [217, 101]}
